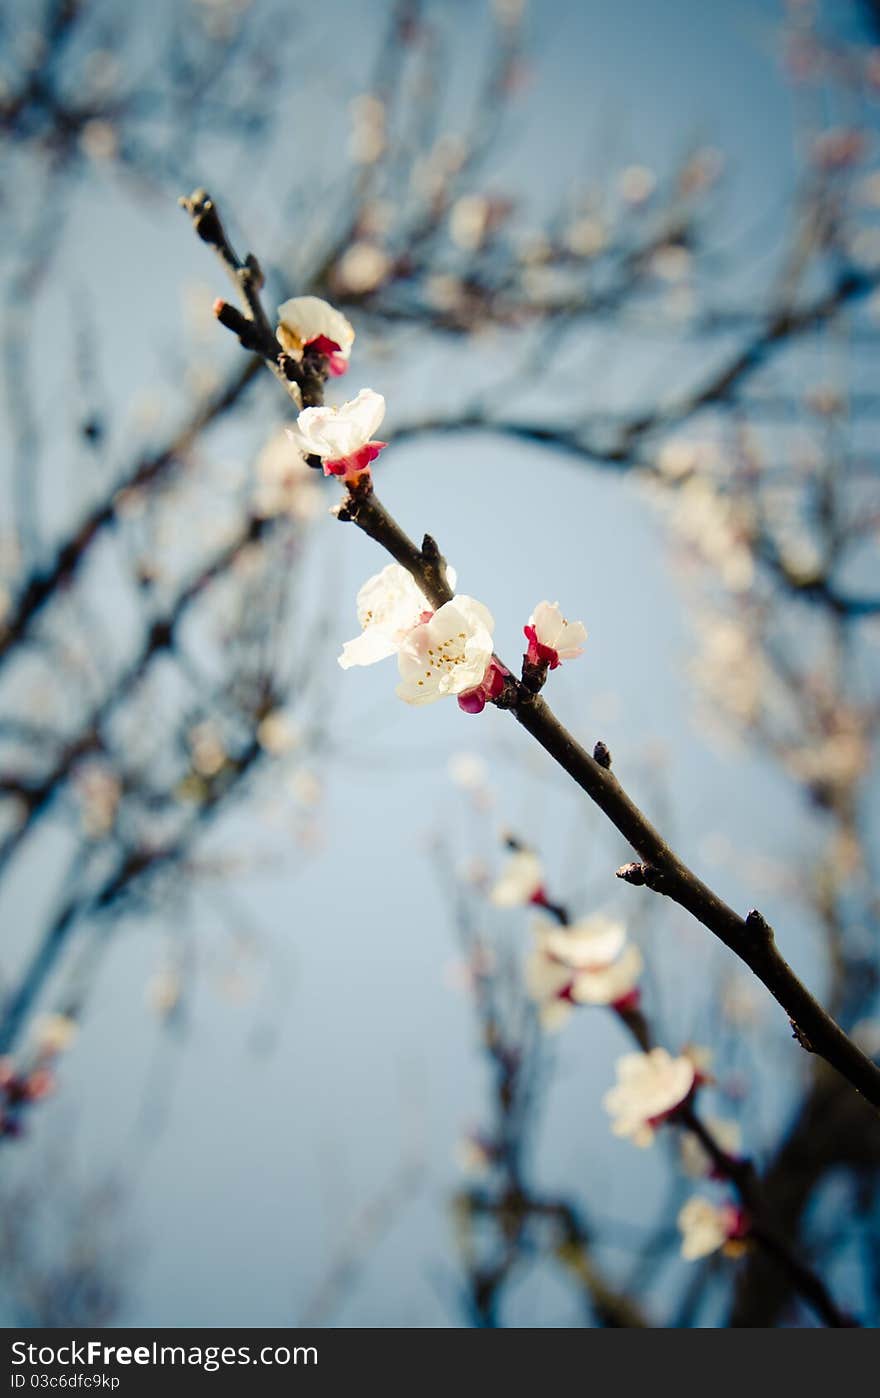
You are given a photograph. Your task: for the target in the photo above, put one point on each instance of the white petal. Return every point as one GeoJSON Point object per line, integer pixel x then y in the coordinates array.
{"type": "Point", "coordinates": [368, 648]}
{"type": "Point", "coordinates": [609, 984]}
{"type": "Point", "coordinates": [520, 880]}
{"type": "Point", "coordinates": [305, 318]}
{"type": "Point", "coordinates": [475, 613]}
{"type": "Point", "coordinates": [447, 654]}
{"type": "Point", "coordinates": [571, 640]}
{"type": "Point", "coordinates": [543, 978]}
{"type": "Point", "coordinates": [592, 942]}
{"type": "Point", "coordinates": [365, 413]}
{"type": "Point", "coordinates": [548, 622]}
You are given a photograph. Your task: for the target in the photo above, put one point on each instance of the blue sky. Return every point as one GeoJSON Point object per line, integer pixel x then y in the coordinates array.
{"type": "Point", "coordinates": [240, 1190]}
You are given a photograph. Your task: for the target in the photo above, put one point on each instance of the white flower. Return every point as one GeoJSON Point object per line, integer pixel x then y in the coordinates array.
{"type": "Point", "coordinates": [548, 984]}
{"type": "Point", "coordinates": [551, 638]}
{"type": "Point", "coordinates": [389, 605]}
{"type": "Point", "coordinates": [600, 968]}
{"type": "Point", "coordinates": [545, 979]}
{"type": "Point", "coordinates": [307, 320]}
{"type": "Point", "coordinates": [521, 879]}
{"type": "Point", "coordinates": [695, 1159]}
{"type": "Point", "coordinates": [448, 654]}
{"type": "Point", "coordinates": [588, 944]}
{"type": "Point", "coordinates": [609, 985]}
{"type": "Point", "coordinates": [704, 1227]}
{"type": "Point", "coordinates": [649, 1086]}
{"type": "Point", "coordinates": [342, 437]}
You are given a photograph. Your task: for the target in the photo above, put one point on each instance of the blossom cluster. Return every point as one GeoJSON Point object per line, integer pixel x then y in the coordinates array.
{"type": "Point", "coordinates": [447, 651]}
{"type": "Point", "coordinates": [591, 962]}
{"type": "Point", "coordinates": [439, 653]}
{"type": "Point", "coordinates": [587, 962]}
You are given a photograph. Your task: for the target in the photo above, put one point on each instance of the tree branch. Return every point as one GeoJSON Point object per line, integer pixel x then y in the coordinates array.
{"type": "Point", "coordinates": [750, 938]}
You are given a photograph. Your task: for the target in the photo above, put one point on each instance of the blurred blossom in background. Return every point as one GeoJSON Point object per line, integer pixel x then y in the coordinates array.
{"type": "Point", "coordinates": [280, 1033]}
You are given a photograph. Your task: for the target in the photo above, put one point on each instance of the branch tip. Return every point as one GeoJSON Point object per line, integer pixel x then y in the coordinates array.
{"type": "Point", "coordinates": [633, 873]}
{"type": "Point", "coordinates": [758, 925]}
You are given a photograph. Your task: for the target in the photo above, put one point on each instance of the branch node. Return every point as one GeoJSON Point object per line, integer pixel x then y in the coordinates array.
{"type": "Point", "coordinates": [758, 925]}
{"type": "Point", "coordinates": [534, 676]}
{"type": "Point", "coordinates": [200, 207]}
{"type": "Point", "coordinates": [431, 554]}
{"type": "Point", "coordinates": [254, 272]}
{"type": "Point", "coordinates": [511, 695]}
{"type": "Point", "coordinates": [643, 875]}
{"type": "Point", "coordinates": [602, 755]}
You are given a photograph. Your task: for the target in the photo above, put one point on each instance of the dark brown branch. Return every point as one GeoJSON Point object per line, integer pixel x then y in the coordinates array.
{"type": "Point", "coordinates": [750, 938]}
{"type": "Point", "coordinates": [302, 379]}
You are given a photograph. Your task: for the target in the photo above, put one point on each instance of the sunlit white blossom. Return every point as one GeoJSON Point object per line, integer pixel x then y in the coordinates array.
{"type": "Point", "coordinates": [706, 1227]}
{"type": "Point", "coordinates": [450, 653]}
{"type": "Point", "coordinates": [521, 881]}
{"type": "Point", "coordinates": [614, 984]}
{"type": "Point", "coordinates": [649, 1087]}
{"type": "Point", "coordinates": [588, 963]}
{"type": "Point", "coordinates": [586, 944]}
{"type": "Point", "coordinates": [551, 638]}
{"type": "Point", "coordinates": [305, 321]}
{"type": "Point", "coordinates": [389, 605]}
{"type": "Point", "coordinates": [342, 437]}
